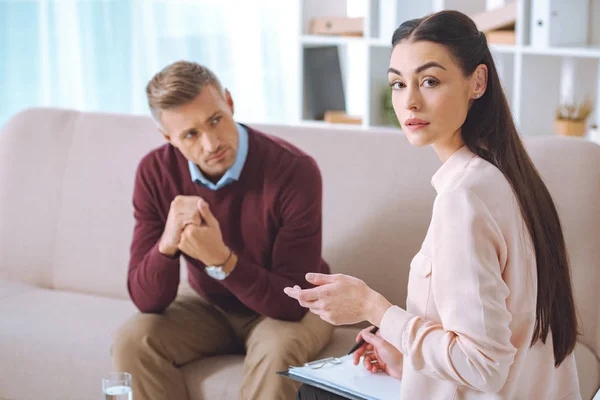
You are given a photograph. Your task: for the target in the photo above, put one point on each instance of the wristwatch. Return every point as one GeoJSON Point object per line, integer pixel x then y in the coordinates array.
{"type": "Point", "coordinates": [216, 271]}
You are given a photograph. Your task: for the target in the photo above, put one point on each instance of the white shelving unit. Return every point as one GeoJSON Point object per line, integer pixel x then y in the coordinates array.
{"type": "Point", "coordinates": [531, 76]}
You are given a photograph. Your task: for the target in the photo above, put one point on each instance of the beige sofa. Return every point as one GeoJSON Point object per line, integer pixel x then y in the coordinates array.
{"type": "Point", "coordinates": [66, 181]}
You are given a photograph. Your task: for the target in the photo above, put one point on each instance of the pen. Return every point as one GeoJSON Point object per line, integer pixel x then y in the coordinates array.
{"type": "Point", "coordinates": [362, 341]}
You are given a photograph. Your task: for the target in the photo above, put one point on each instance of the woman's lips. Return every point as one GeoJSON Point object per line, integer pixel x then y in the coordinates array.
{"type": "Point", "coordinates": [414, 124]}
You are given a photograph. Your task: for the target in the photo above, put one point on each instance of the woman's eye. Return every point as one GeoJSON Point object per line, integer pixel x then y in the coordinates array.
{"type": "Point", "coordinates": [430, 82]}
{"type": "Point", "coordinates": [397, 85]}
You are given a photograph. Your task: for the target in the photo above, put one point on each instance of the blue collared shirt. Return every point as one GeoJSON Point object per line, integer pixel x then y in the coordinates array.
{"type": "Point", "coordinates": [233, 173]}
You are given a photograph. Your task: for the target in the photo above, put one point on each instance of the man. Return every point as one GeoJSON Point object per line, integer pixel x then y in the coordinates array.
{"type": "Point", "coordinates": [244, 210]}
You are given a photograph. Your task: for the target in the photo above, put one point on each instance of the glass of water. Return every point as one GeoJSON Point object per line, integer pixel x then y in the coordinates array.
{"type": "Point", "coordinates": [117, 386]}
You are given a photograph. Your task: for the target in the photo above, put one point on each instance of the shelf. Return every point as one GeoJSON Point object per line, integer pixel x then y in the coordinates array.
{"type": "Point", "coordinates": [504, 48]}
{"type": "Point", "coordinates": [529, 74]}
{"type": "Point", "coordinates": [324, 40]}
{"type": "Point", "coordinates": [322, 124]}
{"type": "Point", "coordinates": [500, 48]}
{"type": "Point", "coordinates": [387, 44]}
{"type": "Point", "coordinates": [582, 51]}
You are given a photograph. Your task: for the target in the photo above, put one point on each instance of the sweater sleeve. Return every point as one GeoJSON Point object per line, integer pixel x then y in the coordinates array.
{"type": "Point", "coordinates": [296, 250]}
{"type": "Point", "coordinates": [153, 278]}
{"type": "Point", "coordinates": [472, 344]}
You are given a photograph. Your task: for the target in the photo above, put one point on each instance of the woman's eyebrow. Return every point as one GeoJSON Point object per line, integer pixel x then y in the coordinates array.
{"type": "Point", "coordinates": [431, 64]}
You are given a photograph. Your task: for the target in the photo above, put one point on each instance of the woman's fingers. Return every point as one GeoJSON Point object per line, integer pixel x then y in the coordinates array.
{"type": "Point", "coordinates": [371, 364]}
{"type": "Point", "coordinates": [359, 336]}
{"type": "Point", "coordinates": [359, 353]}
{"type": "Point", "coordinates": [374, 340]}
{"type": "Point", "coordinates": [365, 348]}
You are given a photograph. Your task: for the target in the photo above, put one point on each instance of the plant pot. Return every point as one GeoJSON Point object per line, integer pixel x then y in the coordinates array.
{"type": "Point", "coordinates": [566, 127]}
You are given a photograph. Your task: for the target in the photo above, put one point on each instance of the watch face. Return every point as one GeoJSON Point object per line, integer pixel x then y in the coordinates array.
{"type": "Point", "coordinates": [216, 273]}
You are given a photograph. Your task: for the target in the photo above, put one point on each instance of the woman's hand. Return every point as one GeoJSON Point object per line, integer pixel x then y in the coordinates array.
{"type": "Point", "coordinates": [340, 299]}
{"type": "Point", "coordinates": [378, 354]}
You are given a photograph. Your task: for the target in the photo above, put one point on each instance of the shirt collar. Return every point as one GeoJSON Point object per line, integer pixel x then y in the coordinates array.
{"type": "Point", "coordinates": [452, 168]}
{"type": "Point", "coordinates": [233, 173]}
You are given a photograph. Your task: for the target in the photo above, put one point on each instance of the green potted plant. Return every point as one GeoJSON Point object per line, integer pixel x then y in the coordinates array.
{"type": "Point", "coordinates": [571, 118]}
{"type": "Point", "coordinates": [388, 108]}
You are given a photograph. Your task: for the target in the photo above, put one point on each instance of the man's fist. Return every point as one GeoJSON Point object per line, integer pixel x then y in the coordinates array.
{"type": "Point", "coordinates": [183, 211]}
{"type": "Point", "coordinates": [204, 242]}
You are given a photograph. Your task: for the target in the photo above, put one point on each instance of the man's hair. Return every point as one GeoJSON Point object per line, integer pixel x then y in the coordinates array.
{"type": "Point", "coordinates": [178, 84]}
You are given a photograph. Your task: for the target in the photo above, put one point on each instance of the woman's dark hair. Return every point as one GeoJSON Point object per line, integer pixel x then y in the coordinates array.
{"type": "Point", "coordinates": [489, 131]}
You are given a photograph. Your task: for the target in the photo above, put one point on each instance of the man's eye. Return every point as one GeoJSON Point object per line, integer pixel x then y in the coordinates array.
{"type": "Point", "coordinates": [190, 134]}
{"type": "Point", "coordinates": [216, 120]}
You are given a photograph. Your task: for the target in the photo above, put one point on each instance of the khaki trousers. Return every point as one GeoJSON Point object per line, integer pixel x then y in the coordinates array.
{"type": "Point", "coordinates": [153, 347]}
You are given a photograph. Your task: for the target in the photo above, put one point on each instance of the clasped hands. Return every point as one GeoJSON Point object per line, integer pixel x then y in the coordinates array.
{"type": "Point", "coordinates": [192, 228]}
{"type": "Point", "coordinates": [343, 300]}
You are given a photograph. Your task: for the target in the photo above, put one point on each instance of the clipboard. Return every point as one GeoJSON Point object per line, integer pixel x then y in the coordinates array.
{"type": "Point", "coordinates": [321, 385]}
{"type": "Point", "coordinates": [345, 379]}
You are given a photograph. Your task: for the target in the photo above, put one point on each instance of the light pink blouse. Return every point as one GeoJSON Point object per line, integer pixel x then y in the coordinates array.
{"type": "Point", "coordinates": [471, 300]}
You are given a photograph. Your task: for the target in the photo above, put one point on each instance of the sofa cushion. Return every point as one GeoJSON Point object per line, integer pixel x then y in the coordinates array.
{"type": "Point", "coordinates": [41, 159]}
{"type": "Point", "coordinates": [10, 289]}
{"type": "Point", "coordinates": [588, 370]}
{"type": "Point", "coordinates": [97, 191]}
{"type": "Point", "coordinates": [62, 340]}
{"type": "Point", "coordinates": [58, 340]}
{"type": "Point", "coordinates": [220, 378]}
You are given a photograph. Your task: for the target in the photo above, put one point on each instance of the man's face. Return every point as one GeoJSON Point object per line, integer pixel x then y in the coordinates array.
{"type": "Point", "coordinates": [204, 131]}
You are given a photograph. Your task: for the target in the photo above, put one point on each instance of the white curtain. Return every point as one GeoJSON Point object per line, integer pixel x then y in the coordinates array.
{"type": "Point", "coordinates": [98, 55]}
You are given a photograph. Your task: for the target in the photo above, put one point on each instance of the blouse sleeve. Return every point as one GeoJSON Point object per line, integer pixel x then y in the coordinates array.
{"type": "Point", "coordinates": [472, 344]}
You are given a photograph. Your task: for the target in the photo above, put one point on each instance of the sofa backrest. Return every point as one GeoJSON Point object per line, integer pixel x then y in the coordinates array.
{"type": "Point", "coordinates": [66, 182]}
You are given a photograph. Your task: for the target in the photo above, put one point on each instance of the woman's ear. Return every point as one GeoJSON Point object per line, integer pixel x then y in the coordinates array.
{"type": "Point", "coordinates": [479, 80]}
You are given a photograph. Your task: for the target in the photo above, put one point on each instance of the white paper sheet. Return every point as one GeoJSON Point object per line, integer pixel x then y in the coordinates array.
{"type": "Point", "coordinates": [353, 379]}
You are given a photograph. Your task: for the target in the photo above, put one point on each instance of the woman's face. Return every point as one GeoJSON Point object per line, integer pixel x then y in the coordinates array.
{"type": "Point", "coordinates": [430, 94]}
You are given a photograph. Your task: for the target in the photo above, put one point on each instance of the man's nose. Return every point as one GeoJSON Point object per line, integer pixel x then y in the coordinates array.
{"type": "Point", "coordinates": [210, 142]}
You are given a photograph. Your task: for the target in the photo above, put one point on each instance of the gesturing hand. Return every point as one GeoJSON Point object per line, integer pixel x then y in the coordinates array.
{"type": "Point", "coordinates": [204, 241]}
{"type": "Point", "coordinates": [339, 299]}
{"type": "Point", "coordinates": [378, 354]}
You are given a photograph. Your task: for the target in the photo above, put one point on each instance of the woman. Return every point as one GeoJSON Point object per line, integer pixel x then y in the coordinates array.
{"type": "Point", "coordinates": [490, 311]}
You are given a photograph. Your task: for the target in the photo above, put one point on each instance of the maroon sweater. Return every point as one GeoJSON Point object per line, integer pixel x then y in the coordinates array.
{"type": "Point", "coordinates": [270, 217]}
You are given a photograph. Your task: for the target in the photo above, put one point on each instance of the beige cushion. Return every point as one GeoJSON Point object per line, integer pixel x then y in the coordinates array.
{"type": "Point", "coordinates": [219, 378]}
{"type": "Point", "coordinates": [55, 344]}
{"type": "Point", "coordinates": [588, 369]}
{"type": "Point", "coordinates": [571, 170]}
{"type": "Point", "coordinates": [53, 339]}
{"type": "Point", "coordinates": [34, 148]}
{"type": "Point", "coordinates": [93, 237]}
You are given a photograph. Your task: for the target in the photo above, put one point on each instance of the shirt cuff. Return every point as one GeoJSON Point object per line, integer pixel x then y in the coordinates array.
{"type": "Point", "coordinates": [392, 327]}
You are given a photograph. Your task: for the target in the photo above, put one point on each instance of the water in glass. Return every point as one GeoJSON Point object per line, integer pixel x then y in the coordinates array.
{"type": "Point", "coordinates": [117, 386]}
{"type": "Point", "coordinates": [118, 393]}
